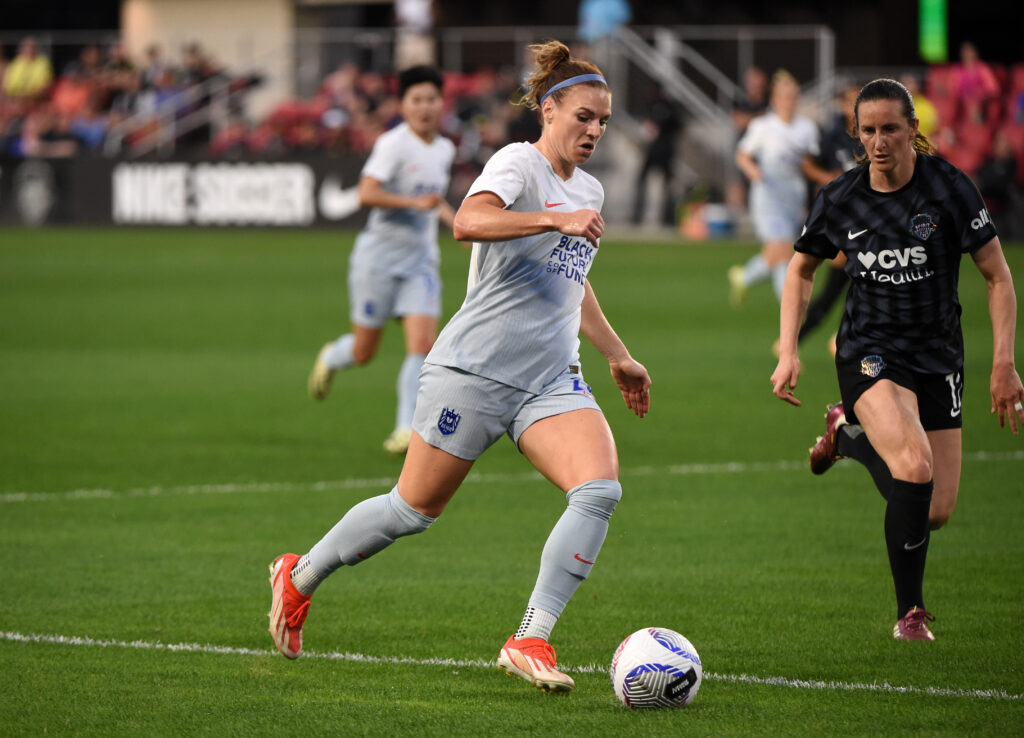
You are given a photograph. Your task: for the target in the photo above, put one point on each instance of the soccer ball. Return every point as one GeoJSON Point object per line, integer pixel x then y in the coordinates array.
{"type": "Point", "coordinates": [656, 667]}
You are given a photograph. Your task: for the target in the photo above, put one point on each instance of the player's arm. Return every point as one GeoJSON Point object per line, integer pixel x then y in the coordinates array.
{"type": "Point", "coordinates": [815, 172]}
{"type": "Point", "coordinates": [796, 294]}
{"type": "Point", "coordinates": [483, 217]}
{"type": "Point", "coordinates": [373, 195]}
{"type": "Point", "coordinates": [629, 374]}
{"type": "Point", "coordinates": [748, 166]}
{"type": "Point", "coordinates": [1006, 389]}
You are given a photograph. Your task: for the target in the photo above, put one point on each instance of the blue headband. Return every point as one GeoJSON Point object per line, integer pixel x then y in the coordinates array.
{"type": "Point", "coordinates": [574, 81]}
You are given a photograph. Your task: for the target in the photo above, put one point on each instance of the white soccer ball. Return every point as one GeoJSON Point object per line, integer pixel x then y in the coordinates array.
{"type": "Point", "coordinates": [656, 667]}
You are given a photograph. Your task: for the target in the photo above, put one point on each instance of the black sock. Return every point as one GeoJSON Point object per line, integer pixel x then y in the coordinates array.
{"type": "Point", "coordinates": [906, 537]}
{"type": "Point", "coordinates": [852, 442]}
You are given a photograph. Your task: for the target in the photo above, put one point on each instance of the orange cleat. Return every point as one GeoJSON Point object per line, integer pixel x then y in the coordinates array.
{"type": "Point", "coordinates": [533, 659]}
{"type": "Point", "coordinates": [288, 607]}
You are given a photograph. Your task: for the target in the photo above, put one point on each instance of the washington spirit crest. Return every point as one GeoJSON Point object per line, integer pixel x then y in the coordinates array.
{"type": "Point", "coordinates": [448, 423]}
{"type": "Point", "coordinates": [872, 366]}
{"type": "Point", "coordinates": [922, 226]}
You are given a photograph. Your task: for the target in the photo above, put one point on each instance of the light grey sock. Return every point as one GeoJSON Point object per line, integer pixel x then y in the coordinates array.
{"type": "Point", "coordinates": [536, 624]}
{"type": "Point", "coordinates": [574, 542]}
{"type": "Point", "coordinates": [779, 278]}
{"type": "Point", "coordinates": [339, 355]}
{"type": "Point", "coordinates": [407, 386]}
{"type": "Point", "coordinates": [369, 527]}
{"type": "Point", "coordinates": [755, 270]}
{"type": "Point", "coordinates": [304, 577]}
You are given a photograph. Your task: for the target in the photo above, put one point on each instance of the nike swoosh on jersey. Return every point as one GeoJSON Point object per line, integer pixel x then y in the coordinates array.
{"type": "Point", "coordinates": [580, 558]}
{"type": "Point", "coordinates": [851, 235]}
{"type": "Point", "coordinates": [920, 543]}
{"type": "Point", "coordinates": [552, 204]}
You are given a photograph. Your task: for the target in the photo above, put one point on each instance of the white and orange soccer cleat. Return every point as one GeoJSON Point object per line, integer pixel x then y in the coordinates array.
{"type": "Point", "coordinates": [737, 287]}
{"type": "Point", "coordinates": [533, 659]}
{"type": "Point", "coordinates": [398, 442]}
{"type": "Point", "coordinates": [288, 607]}
{"type": "Point", "coordinates": [319, 383]}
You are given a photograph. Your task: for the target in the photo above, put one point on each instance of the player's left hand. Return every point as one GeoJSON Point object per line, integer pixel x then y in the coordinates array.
{"type": "Point", "coordinates": [634, 382]}
{"type": "Point", "coordinates": [1008, 397]}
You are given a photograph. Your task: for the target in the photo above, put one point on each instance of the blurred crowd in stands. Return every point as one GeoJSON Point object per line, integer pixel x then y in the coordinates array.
{"type": "Point", "coordinates": [104, 102]}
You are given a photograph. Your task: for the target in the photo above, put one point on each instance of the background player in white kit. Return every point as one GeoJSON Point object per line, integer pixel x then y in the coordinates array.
{"type": "Point", "coordinates": [508, 362]}
{"type": "Point", "coordinates": [394, 267]}
{"type": "Point", "coordinates": [775, 155]}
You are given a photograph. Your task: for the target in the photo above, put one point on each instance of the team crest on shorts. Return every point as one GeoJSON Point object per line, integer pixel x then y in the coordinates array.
{"type": "Point", "coordinates": [448, 423]}
{"type": "Point", "coordinates": [922, 226]}
{"type": "Point", "coordinates": [872, 366]}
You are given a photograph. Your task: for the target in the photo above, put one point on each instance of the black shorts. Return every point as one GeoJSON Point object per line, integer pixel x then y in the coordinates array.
{"type": "Point", "coordinates": [938, 395]}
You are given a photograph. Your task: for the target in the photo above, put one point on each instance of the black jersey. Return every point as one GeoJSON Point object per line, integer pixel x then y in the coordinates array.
{"type": "Point", "coordinates": [903, 252]}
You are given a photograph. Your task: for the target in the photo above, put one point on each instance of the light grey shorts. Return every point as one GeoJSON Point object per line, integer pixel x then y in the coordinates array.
{"type": "Point", "coordinates": [375, 296]}
{"type": "Point", "coordinates": [464, 414]}
{"type": "Point", "coordinates": [777, 209]}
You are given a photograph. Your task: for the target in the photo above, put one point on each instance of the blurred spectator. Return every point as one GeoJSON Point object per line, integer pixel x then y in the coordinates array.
{"type": "Point", "coordinates": [750, 103]}
{"type": "Point", "coordinates": [927, 116]}
{"type": "Point", "coordinates": [29, 74]}
{"type": "Point", "coordinates": [414, 20]}
{"type": "Point", "coordinates": [72, 91]}
{"type": "Point", "coordinates": [997, 175]}
{"type": "Point", "coordinates": [599, 19]}
{"type": "Point", "coordinates": [974, 83]}
{"type": "Point", "coordinates": [119, 74]}
{"type": "Point", "coordinates": [753, 101]}
{"type": "Point", "coordinates": [154, 67]}
{"type": "Point", "coordinates": [90, 125]}
{"type": "Point", "coordinates": [46, 135]}
{"type": "Point", "coordinates": [87, 67]}
{"type": "Point", "coordinates": [661, 128]}
{"type": "Point", "coordinates": [839, 147]}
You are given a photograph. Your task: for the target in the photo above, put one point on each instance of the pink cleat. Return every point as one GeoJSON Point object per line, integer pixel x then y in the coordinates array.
{"type": "Point", "coordinates": [824, 453]}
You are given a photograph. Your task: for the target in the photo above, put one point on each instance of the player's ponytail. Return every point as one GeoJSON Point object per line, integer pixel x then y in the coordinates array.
{"type": "Point", "coordinates": [890, 89]}
{"type": "Point", "coordinates": [554, 63]}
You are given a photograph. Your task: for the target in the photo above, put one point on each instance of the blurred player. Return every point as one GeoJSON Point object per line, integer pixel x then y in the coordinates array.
{"type": "Point", "coordinates": [903, 220]}
{"type": "Point", "coordinates": [394, 267]}
{"type": "Point", "coordinates": [508, 362]}
{"type": "Point", "coordinates": [772, 155]}
{"type": "Point", "coordinates": [840, 150]}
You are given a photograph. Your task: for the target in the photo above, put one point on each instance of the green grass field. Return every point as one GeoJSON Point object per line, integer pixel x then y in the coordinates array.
{"type": "Point", "coordinates": [158, 448]}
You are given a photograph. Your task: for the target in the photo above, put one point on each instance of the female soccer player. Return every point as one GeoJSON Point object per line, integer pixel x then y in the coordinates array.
{"type": "Point", "coordinates": [903, 220]}
{"type": "Point", "coordinates": [508, 362]}
{"type": "Point", "coordinates": [775, 154]}
{"type": "Point", "coordinates": [394, 267]}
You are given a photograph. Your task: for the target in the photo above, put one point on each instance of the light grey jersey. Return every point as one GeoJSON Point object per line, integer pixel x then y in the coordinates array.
{"type": "Point", "coordinates": [520, 321]}
{"type": "Point", "coordinates": [400, 241]}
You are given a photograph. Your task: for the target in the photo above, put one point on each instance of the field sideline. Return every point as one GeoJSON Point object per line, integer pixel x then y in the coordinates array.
{"type": "Point", "coordinates": [158, 449]}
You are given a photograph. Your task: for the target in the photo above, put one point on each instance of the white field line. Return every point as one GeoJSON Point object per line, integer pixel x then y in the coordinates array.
{"type": "Point", "coordinates": [885, 687]}
{"type": "Point", "coordinates": [728, 467]}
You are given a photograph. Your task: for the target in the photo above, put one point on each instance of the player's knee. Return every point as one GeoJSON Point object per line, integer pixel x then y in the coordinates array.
{"type": "Point", "coordinates": [404, 519]}
{"type": "Point", "coordinates": [363, 354]}
{"type": "Point", "coordinates": [913, 465]}
{"type": "Point", "coordinates": [940, 512]}
{"type": "Point", "coordinates": [597, 498]}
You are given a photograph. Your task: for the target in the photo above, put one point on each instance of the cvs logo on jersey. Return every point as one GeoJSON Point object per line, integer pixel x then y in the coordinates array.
{"type": "Point", "coordinates": [893, 258]}
{"type": "Point", "coordinates": [982, 220]}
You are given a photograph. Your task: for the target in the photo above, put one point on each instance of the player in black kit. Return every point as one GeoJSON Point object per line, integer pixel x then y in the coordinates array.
{"type": "Point", "coordinates": [902, 219]}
